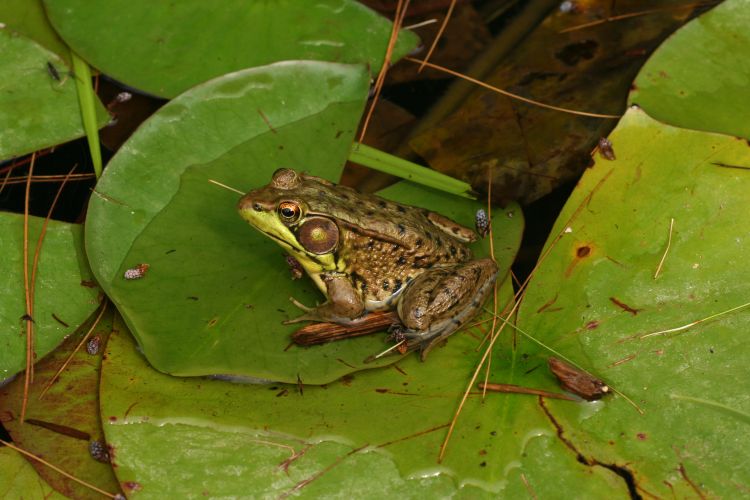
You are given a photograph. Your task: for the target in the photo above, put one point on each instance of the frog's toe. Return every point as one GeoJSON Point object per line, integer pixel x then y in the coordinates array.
{"type": "Point", "coordinates": [300, 305]}
{"type": "Point", "coordinates": [298, 319]}
{"type": "Point", "coordinates": [309, 313]}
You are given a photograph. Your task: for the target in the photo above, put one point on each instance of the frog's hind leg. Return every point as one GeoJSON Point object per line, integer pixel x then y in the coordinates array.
{"type": "Point", "coordinates": [442, 300]}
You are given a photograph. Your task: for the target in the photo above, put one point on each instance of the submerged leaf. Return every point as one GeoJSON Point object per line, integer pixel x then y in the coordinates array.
{"type": "Point", "coordinates": [62, 301]}
{"type": "Point", "coordinates": [18, 479]}
{"type": "Point", "coordinates": [62, 424]}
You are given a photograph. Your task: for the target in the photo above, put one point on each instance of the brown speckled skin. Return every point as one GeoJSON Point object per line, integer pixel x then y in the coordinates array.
{"type": "Point", "coordinates": [387, 255]}
{"type": "Point", "coordinates": [384, 244]}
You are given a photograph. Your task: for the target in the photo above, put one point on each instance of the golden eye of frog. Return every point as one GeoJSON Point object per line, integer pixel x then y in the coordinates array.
{"type": "Point", "coordinates": [367, 254]}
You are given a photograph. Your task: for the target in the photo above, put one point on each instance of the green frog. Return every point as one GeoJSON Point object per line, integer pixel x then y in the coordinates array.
{"type": "Point", "coordinates": [366, 253]}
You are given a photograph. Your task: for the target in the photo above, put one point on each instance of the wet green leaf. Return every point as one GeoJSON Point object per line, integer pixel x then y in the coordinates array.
{"type": "Point", "coordinates": [59, 289]}
{"type": "Point", "coordinates": [28, 18]}
{"type": "Point", "coordinates": [18, 479]}
{"type": "Point", "coordinates": [372, 434]}
{"type": "Point", "coordinates": [73, 403]}
{"type": "Point", "coordinates": [36, 109]}
{"type": "Point", "coordinates": [164, 48]}
{"type": "Point", "coordinates": [595, 296]}
{"type": "Point", "coordinates": [699, 77]}
{"type": "Point", "coordinates": [205, 305]}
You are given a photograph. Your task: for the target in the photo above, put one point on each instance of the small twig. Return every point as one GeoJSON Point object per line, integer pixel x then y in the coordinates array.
{"type": "Point", "coordinates": [427, 22]}
{"type": "Point", "coordinates": [528, 487]}
{"type": "Point", "coordinates": [296, 455]}
{"type": "Point", "coordinates": [634, 14]}
{"type": "Point", "coordinates": [727, 165]}
{"type": "Point", "coordinates": [517, 389]}
{"type": "Point", "coordinates": [510, 94]}
{"type": "Point", "coordinates": [35, 265]}
{"type": "Point", "coordinates": [438, 35]}
{"type": "Point", "coordinates": [58, 469]}
{"type": "Point", "coordinates": [267, 121]}
{"type": "Point", "coordinates": [29, 374]}
{"type": "Point", "coordinates": [398, 21]}
{"type": "Point", "coordinates": [715, 405]}
{"type": "Point", "coordinates": [666, 250]}
{"type": "Point", "coordinates": [7, 176]}
{"type": "Point", "coordinates": [697, 322]}
{"type": "Point", "coordinates": [374, 357]}
{"type": "Point", "coordinates": [23, 161]}
{"type": "Point", "coordinates": [315, 476]}
{"type": "Point", "coordinates": [225, 186]}
{"type": "Point", "coordinates": [45, 178]}
{"type": "Point", "coordinates": [492, 256]}
{"type": "Point", "coordinates": [54, 378]}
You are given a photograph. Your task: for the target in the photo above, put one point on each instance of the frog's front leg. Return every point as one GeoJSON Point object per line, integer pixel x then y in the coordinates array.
{"type": "Point", "coordinates": [442, 300]}
{"type": "Point", "coordinates": [344, 303]}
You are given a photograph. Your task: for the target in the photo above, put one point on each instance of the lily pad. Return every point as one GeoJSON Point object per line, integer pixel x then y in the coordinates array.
{"type": "Point", "coordinates": [62, 423]}
{"type": "Point", "coordinates": [372, 434]}
{"type": "Point", "coordinates": [699, 77]}
{"type": "Point", "coordinates": [217, 291]}
{"type": "Point", "coordinates": [37, 108]}
{"type": "Point", "coordinates": [18, 479]}
{"type": "Point", "coordinates": [203, 306]}
{"type": "Point", "coordinates": [164, 48]}
{"type": "Point", "coordinates": [28, 18]}
{"type": "Point", "coordinates": [61, 300]}
{"type": "Point", "coordinates": [598, 296]}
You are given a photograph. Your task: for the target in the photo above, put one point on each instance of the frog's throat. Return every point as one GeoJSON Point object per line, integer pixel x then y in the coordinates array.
{"type": "Point", "coordinates": [269, 225]}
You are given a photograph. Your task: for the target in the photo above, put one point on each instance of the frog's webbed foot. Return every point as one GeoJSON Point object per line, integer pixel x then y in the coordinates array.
{"type": "Point", "coordinates": [441, 301]}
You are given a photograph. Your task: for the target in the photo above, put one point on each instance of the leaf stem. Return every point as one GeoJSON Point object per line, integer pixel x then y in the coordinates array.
{"type": "Point", "coordinates": [384, 162]}
{"type": "Point", "coordinates": [87, 102]}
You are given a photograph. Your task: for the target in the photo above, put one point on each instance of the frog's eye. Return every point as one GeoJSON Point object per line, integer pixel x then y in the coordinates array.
{"type": "Point", "coordinates": [289, 211]}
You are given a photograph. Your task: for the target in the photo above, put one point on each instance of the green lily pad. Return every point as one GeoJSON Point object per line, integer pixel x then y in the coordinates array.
{"type": "Point", "coordinates": [18, 479]}
{"type": "Point", "coordinates": [60, 291]}
{"type": "Point", "coordinates": [71, 404]}
{"type": "Point", "coordinates": [217, 291]}
{"type": "Point", "coordinates": [164, 48]}
{"type": "Point", "coordinates": [699, 77]}
{"type": "Point", "coordinates": [28, 18]}
{"type": "Point", "coordinates": [36, 109]}
{"type": "Point", "coordinates": [372, 434]}
{"type": "Point", "coordinates": [596, 297]}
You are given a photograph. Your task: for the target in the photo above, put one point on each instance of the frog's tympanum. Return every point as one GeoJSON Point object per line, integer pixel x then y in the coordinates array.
{"type": "Point", "coordinates": [366, 254]}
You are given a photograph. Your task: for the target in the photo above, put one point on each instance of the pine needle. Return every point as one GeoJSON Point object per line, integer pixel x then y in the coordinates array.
{"type": "Point", "coordinates": [58, 469]}
{"type": "Point", "coordinates": [29, 373]}
{"type": "Point", "coordinates": [54, 378]}
{"type": "Point", "coordinates": [666, 250]}
{"type": "Point", "coordinates": [510, 94]}
{"type": "Point", "coordinates": [439, 34]}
